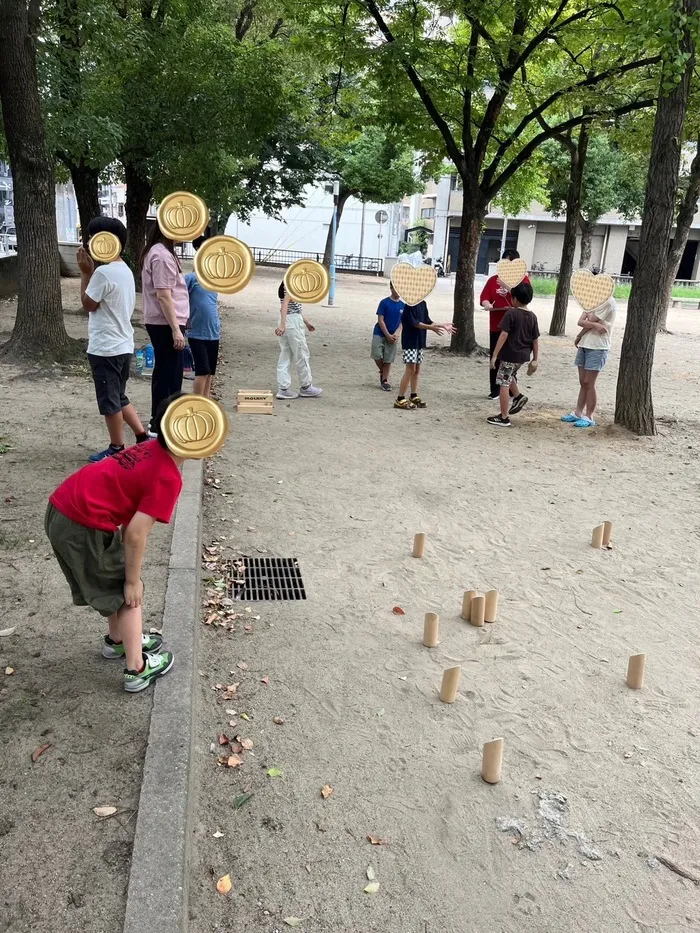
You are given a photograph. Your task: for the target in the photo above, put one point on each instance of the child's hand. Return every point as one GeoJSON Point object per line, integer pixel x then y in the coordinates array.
{"type": "Point", "coordinates": [280, 330]}
{"type": "Point", "coordinates": [392, 338]}
{"type": "Point", "coordinates": [133, 594]}
{"type": "Point", "coordinates": [437, 329]}
{"type": "Point", "coordinates": [532, 367]}
{"type": "Point", "coordinates": [310, 327]}
{"type": "Point", "coordinates": [178, 340]}
{"type": "Point", "coordinates": [494, 360]}
{"type": "Point", "coordinates": [449, 328]}
{"type": "Point", "coordinates": [85, 263]}
{"type": "Point", "coordinates": [487, 306]}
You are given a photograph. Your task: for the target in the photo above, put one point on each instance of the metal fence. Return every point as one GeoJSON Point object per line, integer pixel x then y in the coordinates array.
{"type": "Point", "coordinates": [285, 257]}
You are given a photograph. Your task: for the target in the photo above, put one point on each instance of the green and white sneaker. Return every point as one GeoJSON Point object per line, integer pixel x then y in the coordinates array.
{"type": "Point", "coordinates": [155, 666]}
{"type": "Point", "coordinates": [114, 650]}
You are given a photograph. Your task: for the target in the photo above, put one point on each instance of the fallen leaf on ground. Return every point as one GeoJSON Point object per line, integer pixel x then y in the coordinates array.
{"type": "Point", "coordinates": [247, 744]}
{"type": "Point", "coordinates": [7, 631]}
{"type": "Point", "coordinates": [38, 752]}
{"type": "Point", "coordinates": [9, 670]}
{"type": "Point", "coordinates": [278, 720]}
{"type": "Point", "coordinates": [223, 885]}
{"type": "Point", "coordinates": [241, 799]}
{"type": "Point", "coordinates": [245, 716]}
{"type": "Point", "coordinates": [293, 921]}
{"type": "Point", "coordinates": [223, 740]}
{"type": "Point", "coordinates": [398, 611]}
{"type": "Point", "coordinates": [376, 841]}
{"type": "Point", "coordinates": [242, 665]}
{"type": "Point", "coordinates": [233, 761]}
{"type": "Point", "coordinates": [232, 712]}
{"type": "Point", "coordinates": [372, 887]}
{"type": "Point", "coordinates": [233, 722]}
{"type": "Point", "coordinates": [370, 873]}
{"type": "Point", "coordinates": [104, 811]}
{"type": "Point", "coordinates": [265, 680]}
{"type": "Point", "coordinates": [218, 835]}
{"type": "Point", "coordinates": [380, 712]}
{"type": "Point", "coordinates": [326, 791]}
{"type": "Point", "coordinates": [274, 772]}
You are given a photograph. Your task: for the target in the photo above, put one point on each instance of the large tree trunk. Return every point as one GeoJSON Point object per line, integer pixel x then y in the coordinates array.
{"type": "Point", "coordinates": [557, 326]}
{"type": "Point", "coordinates": [634, 408]}
{"type": "Point", "coordinates": [138, 198]}
{"type": "Point", "coordinates": [342, 198]}
{"type": "Point", "coordinates": [85, 180]}
{"type": "Point", "coordinates": [473, 213]}
{"type": "Point", "coordinates": [586, 242]}
{"type": "Point", "coordinates": [684, 221]}
{"type": "Point", "coordinates": [39, 327]}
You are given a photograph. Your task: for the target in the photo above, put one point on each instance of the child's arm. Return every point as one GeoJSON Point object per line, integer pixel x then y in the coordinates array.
{"type": "Point", "coordinates": [588, 321]}
{"type": "Point", "coordinates": [135, 537]}
{"type": "Point", "coordinates": [87, 267]}
{"type": "Point", "coordinates": [309, 326]}
{"type": "Point", "coordinates": [384, 329]}
{"type": "Point", "coordinates": [535, 350]}
{"type": "Point", "coordinates": [503, 336]}
{"type": "Point", "coordinates": [283, 317]}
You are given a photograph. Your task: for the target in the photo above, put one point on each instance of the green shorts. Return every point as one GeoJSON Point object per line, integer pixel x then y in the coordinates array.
{"type": "Point", "coordinates": [382, 349]}
{"type": "Point", "coordinates": [91, 560]}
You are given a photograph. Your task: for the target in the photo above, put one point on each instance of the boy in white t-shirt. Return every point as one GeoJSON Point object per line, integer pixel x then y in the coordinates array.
{"type": "Point", "coordinates": [593, 343]}
{"type": "Point", "coordinates": [108, 294]}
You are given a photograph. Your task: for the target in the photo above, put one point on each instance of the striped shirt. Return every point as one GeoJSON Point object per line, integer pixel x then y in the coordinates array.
{"type": "Point", "coordinates": [294, 307]}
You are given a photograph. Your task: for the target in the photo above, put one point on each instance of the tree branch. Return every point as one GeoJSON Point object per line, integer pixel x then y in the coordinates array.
{"type": "Point", "coordinates": [245, 19]}
{"type": "Point", "coordinates": [467, 139]}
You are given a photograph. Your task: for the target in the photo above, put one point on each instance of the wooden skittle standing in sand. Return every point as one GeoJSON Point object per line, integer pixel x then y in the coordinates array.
{"type": "Point", "coordinates": [491, 761]}
{"type": "Point", "coordinates": [431, 630]}
{"type": "Point", "coordinates": [419, 544]}
{"type": "Point", "coordinates": [597, 536]}
{"type": "Point", "coordinates": [450, 683]}
{"type": "Point", "coordinates": [478, 608]}
{"type": "Point", "coordinates": [635, 671]}
{"type": "Point", "coordinates": [491, 606]}
{"type": "Point", "coordinates": [467, 605]}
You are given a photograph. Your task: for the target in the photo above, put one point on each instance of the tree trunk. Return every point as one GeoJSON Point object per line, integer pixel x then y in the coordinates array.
{"type": "Point", "coordinates": [684, 221]}
{"type": "Point", "coordinates": [586, 226]}
{"type": "Point", "coordinates": [342, 198]}
{"type": "Point", "coordinates": [138, 198]}
{"type": "Point", "coordinates": [634, 408]}
{"type": "Point", "coordinates": [85, 180]}
{"type": "Point", "coordinates": [473, 213]}
{"type": "Point", "coordinates": [557, 326]}
{"type": "Point", "coordinates": [39, 327]}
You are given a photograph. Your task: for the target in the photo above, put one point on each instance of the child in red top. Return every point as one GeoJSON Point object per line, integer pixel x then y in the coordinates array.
{"type": "Point", "coordinates": [496, 299]}
{"type": "Point", "coordinates": [98, 522]}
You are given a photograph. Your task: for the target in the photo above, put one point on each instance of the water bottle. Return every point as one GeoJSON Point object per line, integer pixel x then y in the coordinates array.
{"type": "Point", "coordinates": [140, 360]}
{"type": "Point", "coordinates": [150, 360]}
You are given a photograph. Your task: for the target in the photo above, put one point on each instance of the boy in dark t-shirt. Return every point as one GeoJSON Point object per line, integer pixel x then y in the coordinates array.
{"type": "Point", "coordinates": [517, 344]}
{"type": "Point", "coordinates": [386, 334]}
{"type": "Point", "coordinates": [496, 299]}
{"type": "Point", "coordinates": [416, 323]}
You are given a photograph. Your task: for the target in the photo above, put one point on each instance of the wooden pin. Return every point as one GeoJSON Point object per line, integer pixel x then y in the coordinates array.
{"type": "Point", "coordinates": [491, 606]}
{"type": "Point", "coordinates": [607, 533]}
{"type": "Point", "coordinates": [419, 545]}
{"type": "Point", "coordinates": [467, 604]}
{"type": "Point", "coordinates": [491, 761]}
{"type": "Point", "coordinates": [635, 671]}
{"type": "Point", "coordinates": [478, 610]}
{"type": "Point", "coordinates": [431, 630]}
{"type": "Point", "coordinates": [450, 682]}
{"type": "Point", "coordinates": [597, 539]}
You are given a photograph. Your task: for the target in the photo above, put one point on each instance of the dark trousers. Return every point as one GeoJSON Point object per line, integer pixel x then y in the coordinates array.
{"type": "Point", "coordinates": [167, 369]}
{"type": "Point", "coordinates": [493, 340]}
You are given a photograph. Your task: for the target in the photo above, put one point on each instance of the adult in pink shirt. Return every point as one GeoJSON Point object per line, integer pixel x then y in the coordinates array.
{"type": "Point", "coordinates": [166, 310]}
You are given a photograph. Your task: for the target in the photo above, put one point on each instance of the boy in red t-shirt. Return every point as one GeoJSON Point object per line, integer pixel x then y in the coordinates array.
{"type": "Point", "coordinates": [496, 299]}
{"type": "Point", "coordinates": [98, 522]}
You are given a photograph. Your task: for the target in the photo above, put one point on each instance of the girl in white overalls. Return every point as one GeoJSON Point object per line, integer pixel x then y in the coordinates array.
{"type": "Point", "coordinates": [293, 348]}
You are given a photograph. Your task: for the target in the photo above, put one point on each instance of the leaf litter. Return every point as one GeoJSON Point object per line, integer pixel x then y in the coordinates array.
{"type": "Point", "coordinates": [372, 887]}
{"type": "Point", "coordinates": [326, 791]}
{"type": "Point", "coordinates": [223, 885]}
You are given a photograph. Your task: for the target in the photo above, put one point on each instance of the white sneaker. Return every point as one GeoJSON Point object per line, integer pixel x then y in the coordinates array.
{"type": "Point", "coordinates": [286, 393]}
{"type": "Point", "coordinates": [310, 392]}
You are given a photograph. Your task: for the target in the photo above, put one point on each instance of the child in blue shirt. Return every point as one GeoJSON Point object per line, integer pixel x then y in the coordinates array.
{"type": "Point", "coordinates": [386, 335]}
{"type": "Point", "coordinates": [204, 330]}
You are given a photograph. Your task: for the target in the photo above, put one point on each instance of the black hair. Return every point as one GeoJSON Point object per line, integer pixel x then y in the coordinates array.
{"type": "Point", "coordinates": [202, 239]}
{"type": "Point", "coordinates": [510, 254]}
{"type": "Point", "coordinates": [522, 293]}
{"type": "Point", "coordinates": [162, 408]}
{"type": "Point", "coordinates": [155, 235]}
{"type": "Point", "coordinates": [108, 225]}
{"type": "Point", "coordinates": [281, 291]}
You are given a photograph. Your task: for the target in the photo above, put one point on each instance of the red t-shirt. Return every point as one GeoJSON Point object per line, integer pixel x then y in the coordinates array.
{"type": "Point", "coordinates": [105, 495]}
{"type": "Point", "coordinates": [499, 296]}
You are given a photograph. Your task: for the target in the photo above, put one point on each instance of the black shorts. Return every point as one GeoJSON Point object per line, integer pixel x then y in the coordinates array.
{"type": "Point", "coordinates": [205, 354]}
{"type": "Point", "coordinates": [111, 374]}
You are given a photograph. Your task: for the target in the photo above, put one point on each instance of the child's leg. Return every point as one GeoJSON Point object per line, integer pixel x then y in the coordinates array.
{"type": "Point", "coordinates": [207, 388]}
{"type": "Point", "coordinates": [115, 427]}
{"type": "Point", "coordinates": [130, 415]}
{"type": "Point", "coordinates": [385, 370]}
{"type": "Point", "coordinates": [300, 351]}
{"type": "Point", "coordinates": [284, 376]}
{"type": "Point", "coordinates": [406, 379]}
{"type": "Point", "coordinates": [582, 393]}
{"type": "Point", "coordinates": [414, 379]}
{"type": "Point", "coordinates": [200, 385]}
{"type": "Point", "coordinates": [504, 398]}
{"type": "Point", "coordinates": [591, 393]}
{"type": "Point", "coordinates": [126, 626]}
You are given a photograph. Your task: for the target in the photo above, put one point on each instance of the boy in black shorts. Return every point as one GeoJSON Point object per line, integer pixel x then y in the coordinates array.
{"type": "Point", "coordinates": [518, 343]}
{"type": "Point", "coordinates": [204, 331]}
{"type": "Point", "coordinates": [416, 324]}
{"type": "Point", "coordinates": [108, 294]}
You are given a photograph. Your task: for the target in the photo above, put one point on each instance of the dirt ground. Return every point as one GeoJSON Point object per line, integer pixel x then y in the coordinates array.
{"type": "Point", "coordinates": [598, 780]}
{"type": "Point", "coordinates": [61, 867]}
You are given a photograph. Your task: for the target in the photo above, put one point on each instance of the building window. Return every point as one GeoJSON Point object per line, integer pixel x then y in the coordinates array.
{"type": "Point", "coordinates": [405, 213]}
{"type": "Point", "coordinates": [455, 183]}
{"type": "Point", "coordinates": [427, 213]}
{"type": "Point", "coordinates": [120, 210]}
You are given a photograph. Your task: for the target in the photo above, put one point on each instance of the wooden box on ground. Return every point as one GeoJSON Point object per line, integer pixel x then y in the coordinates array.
{"type": "Point", "coordinates": [254, 403]}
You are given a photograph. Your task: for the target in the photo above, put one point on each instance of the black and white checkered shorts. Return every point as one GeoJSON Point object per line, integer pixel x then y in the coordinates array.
{"type": "Point", "coordinates": [413, 356]}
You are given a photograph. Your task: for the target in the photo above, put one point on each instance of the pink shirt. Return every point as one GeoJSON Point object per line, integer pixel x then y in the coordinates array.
{"type": "Point", "coordinates": [162, 270]}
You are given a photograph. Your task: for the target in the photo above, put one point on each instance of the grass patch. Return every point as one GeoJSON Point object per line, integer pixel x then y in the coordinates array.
{"type": "Point", "coordinates": [4, 446]}
{"type": "Point", "coordinates": [546, 288]}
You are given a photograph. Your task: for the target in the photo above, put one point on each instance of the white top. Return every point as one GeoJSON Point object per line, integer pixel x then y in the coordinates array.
{"type": "Point", "coordinates": [109, 328]}
{"type": "Point", "coordinates": [592, 340]}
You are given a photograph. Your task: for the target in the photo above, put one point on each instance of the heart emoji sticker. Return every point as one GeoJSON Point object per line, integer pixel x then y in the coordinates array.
{"type": "Point", "coordinates": [413, 283]}
{"type": "Point", "coordinates": [512, 271]}
{"type": "Point", "coordinates": [591, 291]}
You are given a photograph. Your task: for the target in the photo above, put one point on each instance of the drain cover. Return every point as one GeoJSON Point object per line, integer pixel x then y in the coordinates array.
{"type": "Point", "coordinates": [252, 579]}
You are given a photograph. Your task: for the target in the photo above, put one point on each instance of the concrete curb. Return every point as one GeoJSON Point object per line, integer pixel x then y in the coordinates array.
{"type": "Point", "coordinates": [158, 878]}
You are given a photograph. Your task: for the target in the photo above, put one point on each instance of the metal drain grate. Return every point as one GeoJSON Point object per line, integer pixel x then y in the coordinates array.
{"type": "Point", "coordinates": [252, 579]}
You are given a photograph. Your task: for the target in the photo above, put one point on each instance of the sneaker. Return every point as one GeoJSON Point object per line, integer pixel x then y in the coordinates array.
{"type": "Point", "coordinates": [571, 417]}
{"type": "Point", "coordinates": [310, 392]}
{"type": "Point", "coordinates": [287, 393]}
{"type": "Point", "coordinates": [103, 454]}
{"type": "Point", "coordinates": [155, 665]}
{"type": "Point", "coordinates": [150, 432]}
{"type": "Point", "coordinates": [499, 422]}
{"type": "Point", "coordinates": [404, 404]}
{"type": "Point", "coordinates": [418, 401]}
{"type": "Point", "coordinates": [113, 650]}
{"type": "Point", "coordinates": [386, 386]}
{"type": "Point", "coordinates": [493, 397]}
{"type": "Point", "coordinates": [518, 404]}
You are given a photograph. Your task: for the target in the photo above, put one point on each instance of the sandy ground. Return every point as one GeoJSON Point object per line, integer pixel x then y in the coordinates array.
{"type": "Point", "coordinates": [598, 780]}
{"type": "Point", "coordinates": [61, 868]}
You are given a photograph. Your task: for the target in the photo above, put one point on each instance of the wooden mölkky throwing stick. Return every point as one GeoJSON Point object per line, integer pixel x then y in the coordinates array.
{"type": "Point", "coordinates": [607, 533]}
{"type": "Point", "coordinates": [491, 606]}
{"type": "Point", "coordinates": [491, 761]}
{"type": "Point", "coordinates": [478, 610]}
{"type": "Point", "coordinates": [597, 539]}
{"type": "Point", "coordinates": [467, 604]}
{"type": "Point", "coordinates": [450, 682]}
{"type": "Point", "coordinates": [635, 671]}
{"type": "Point", "coordinates": [431, 630]}
{"type": "Point", "coordinates": [419, 545]}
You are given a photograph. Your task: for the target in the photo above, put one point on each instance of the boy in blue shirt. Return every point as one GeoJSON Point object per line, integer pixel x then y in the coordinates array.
{"type": "Point", "coordinates": [386, 335]}
{"type": "Point", "coordinates": [204, 330]}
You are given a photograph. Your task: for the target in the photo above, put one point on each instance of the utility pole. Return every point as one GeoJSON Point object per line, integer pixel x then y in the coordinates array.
{"type": "Point", "coordinates": [334, 229]}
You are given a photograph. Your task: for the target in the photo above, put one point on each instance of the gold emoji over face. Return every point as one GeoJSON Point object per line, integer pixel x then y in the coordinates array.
{"type": "Point", "coordinates": [194, 427]}
{"type": "Point", "coordinates": [307, 281]}
{"type": "Point", "coordinates": [183, 216]}
{"type": "Point", "coordinates": [104, 247]}
{"type": "Point", "coordinates": [224, 264]}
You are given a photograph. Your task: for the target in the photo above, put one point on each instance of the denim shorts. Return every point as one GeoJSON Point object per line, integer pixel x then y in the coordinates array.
{"type": "Point", "coordinates": [592, 360]}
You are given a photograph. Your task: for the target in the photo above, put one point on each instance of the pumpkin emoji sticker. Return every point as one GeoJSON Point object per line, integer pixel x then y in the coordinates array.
{"type": "Point", "coordinates": [104, 247]}
{"type": "Point", "coordinates": [307, 281]}
{"type": "Point", "coordinates": [182, 216]}
{"type": "Point", "coordinates": [224, 264]}
{"type": "Point", "coordinates": [194, 427]}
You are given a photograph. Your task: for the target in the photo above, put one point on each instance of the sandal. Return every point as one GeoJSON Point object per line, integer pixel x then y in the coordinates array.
{"type": "Point", "coordinates": [404, 403]}
{"type": "Point", "coordinates": [418, 402]}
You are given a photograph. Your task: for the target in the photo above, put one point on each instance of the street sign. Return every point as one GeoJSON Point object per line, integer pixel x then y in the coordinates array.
{"type": "Point", "coordinates": [10, 215]}
{"type": "Point", "coordinates": [381, 217]}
